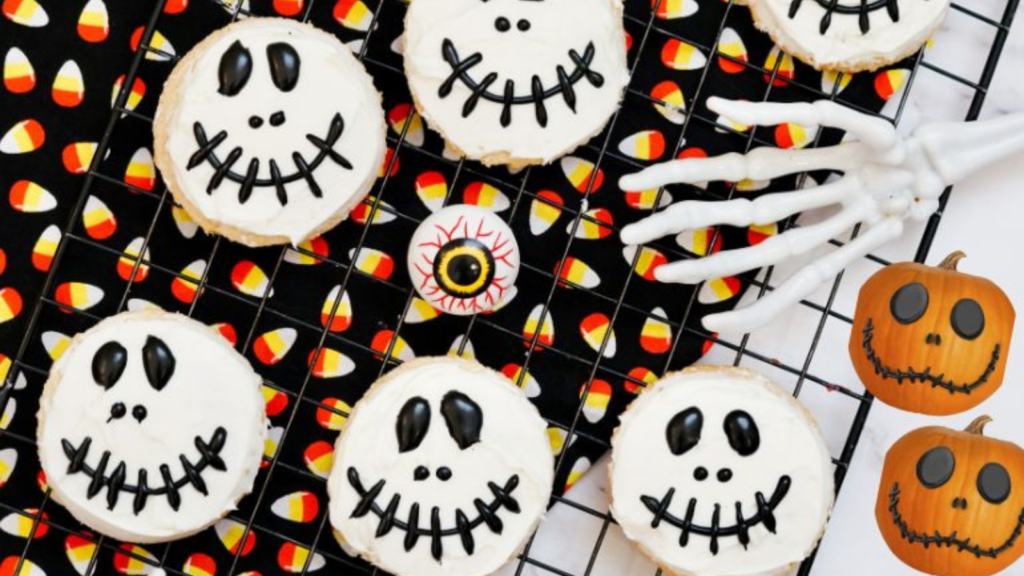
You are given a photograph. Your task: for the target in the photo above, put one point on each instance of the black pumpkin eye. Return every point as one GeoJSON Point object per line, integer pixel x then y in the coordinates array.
{"type": "Point", "coordinates": [412, 424]}
{"type": "Point", "coordinates": [909, 303]}
{"type": "Point", "coordinates": [935, 467]}
{"type": "Point", "coordinates": [741, 430]}
{"type": "Point", "coordinates": [235, 69]}
{"type": "Point", "coordinates": [994, 483]}
{"type": "Point", "coordinates": [284, 65]}
{"type": "Point", "coordinates": [158, 362]}
{"type": "Point", "coordinates": [683, 430]}
{"type": "Point", "coordinates": [968, 319]}
{"type": "Point", "coordinates": [108, 364]}
{"type": "Point", "coordinates": [463, 417]}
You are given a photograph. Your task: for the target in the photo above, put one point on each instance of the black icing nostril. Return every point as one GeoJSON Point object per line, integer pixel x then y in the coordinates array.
{"type": "Point", "coordinates": [502, 24]}
{"type": "Point", "coordinates": [139, 412]}
{"type": "Point", "coordinates": [444, 473]}
{"type": "Point", "coordinates": [724, 475]}
{"type": "Point", "coordinates": [523, 25]}
{"type": "Point", "coordinates": [421, 473]}
{"type": "Point", "coordinates": [700, 474]}
{"type": "Point", "coordinates": [117, 411]}
{"type": "Point", "coordinates": [277, 118]}
{"type": "Point", "coordinates": [255, 122]}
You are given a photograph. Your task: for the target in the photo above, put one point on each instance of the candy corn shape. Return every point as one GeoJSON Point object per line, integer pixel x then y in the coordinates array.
{"type": "Point", "coordinates": [646, 199]}
{"type": "Point", "coordinates": [748, 185]}
{"type": "Point", "coordinates": [332, 414]}
{"type": "Point", "coordinates": [421, 311]}
{"type": "Point", "coordinates": [309, 253]}
{"type": "Point", "coordinates": [275, 401]}
{"type": "Point", "coordinates": [296, 559]}
{"type": "Point", "coordinates": [78, 295]}
{"type": "Point", "coordinates": [126, 263]}
{"type": "Point", "coordinates": [26, 12]}
{"type": "Point", "coordinates": [757, 234]}
{"type": "Point", "coordinates": [77, 157]}
{"type": "Point", "coordinates": [730, 124]}
{"type": "Point", "coordinates": [250, 279]}
{"type": "Point", "coordinates": [639, 378]}
{"type": "Point", "coordinates": [135, 95]}
{"type": "Point", "coordinates": [45, 247]}
{"type": "Point", "coordinates": [319, 457]}
{"type": "Point", "coordinates": [545, 211]}
{"type": "Point", "coordinates": [669, 101]}
{"type": "Point", "coordinates": [184, 287]}
{"type": "Point", "coordinates": [382, 342]}
{"type": "Point", "coordinates": [353, 14]}
{"type": "Point", "coordinates": [596, 400]}
{"type": "Point", "coordinates": [890, 82]}
{"type": "Point", "coordinates": [141, 173]}
{"type": "Point", "coordinates": [199, 565]}
{"type": "Point", "coordinates": [404, 118]}
{"type": "Point", "coordinates": [383, 213]}
{"type": "Point", "coordinates": [523, 379]}
{"type": "Point", "coordinates": [8, 459]}
{"type": "Point", "coordinates": [786, 67]}
{"type": "Point", "coordinates": [834, 82]}
{"type": "Point", "coordinates": [389, 155]}
{"type": "Point", "coordinates": [162, 49]}
{"type": "Point", "coordinates": [8, 413]}
{"type": "Point", "coordinates": [648, 261]}
{"type": "Point", "coordinates": [300, 507]}
{"type": "Point", "coordinates": [342, 319]}
{"type": "Point", "coordinates": [98, 220]}
{"type": "Point", "coordinates": [330, 363]}
{"type": "Point", "coordinates": [288, 7]}
{"type": "Point", "coordinates": [79, 552]}
{"type": "Point", "coordinates": [19, 75]}
{"type": "Point", "coordinates": [134, 560]}
{"type": "Point", "coordinates": [733, 52]}
{"type": "Point", "coordinates": [458, 349]}
{"type": "Point", "coordinates": [546, 336]}
{"type": "Point", "coordinates": [594, 329]}
{"type": "Point", "coordinates": [94, 22]}
{"type": "Point", "coordinates": [185, 224]}
{"type": "Point", "coordinates": [646, 145]}
{"type": "Point", "coordinates": [10, 567]}
{"type": "Point", "coordinates": [227, 332]}
{"type": "Point", "coordinates": [656, 335]}
{"type": "Point", "coordinates": [431, 189]}
{"type": "Point", "coordinates": [273, 442]}
{"type": "Point", "coordinates": [174, 7]}
{"type": "Point", "coordinates": [68, 87]}
{"type": "Point", "coordinates": [142, 305]}
{"type": "Point", "coordinates": [485, 196]}
{"type": "Point", "coordinates": [374, 263]}
{"type": "Point", "coordinates": [674, 9]}
{"type": "Point", "coordinates": [10, 304]}
{"type": "Point", "coordinates": [576, 272]}
{"type": "Point", "coordinates": [595, 225]}
{"type": "Point", "coordinates": [24, 137]}
{"type": "Point", "coordinates": [5, 369]}
{"type": "Point", "coordinates": [271, 347]}
{"type": "Point", "coordinates": [789, 135]}
{"type": "Point", "coordinates": [583, 175]}
{"type": "Point", "coordinates": [556, 438]}
{"type": "Point", "coordinates": [679, 55]}
{"type": "Point", "coordinates": [698, 242]}
{"type": "Point", "coordinates": [579, 468]}
{"type": "Point", "coordinates": [230, 533]}
{"type": "Point", "coordinates": [31, 198]}
{"type": "Point", "coordinates": [719, 290]}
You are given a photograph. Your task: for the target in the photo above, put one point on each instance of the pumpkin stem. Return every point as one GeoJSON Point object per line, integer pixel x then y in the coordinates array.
{"type": "Point", "coordinates": [950, 262]}
{"type": "Point", "coordinates": [978, 426]}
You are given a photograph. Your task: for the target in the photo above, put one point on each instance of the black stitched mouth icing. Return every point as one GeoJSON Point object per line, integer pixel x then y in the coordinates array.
{"type": "Point", "coordinates": [487, 514]}
{"type": "Point", "coordinates": [538, 93]}
{"type": "Point", "coordinates": [740, 529]}
{"type": "Point", "coordinates": [926, 377]}
{"type": "Point", "coordinates": [950, 540]}
{"type": "Point", "coordinates": [222, 169]}
{"type": "Point", "coordinates": [862, 9]}
{"type": "Point", "coordinates": [115, 482]}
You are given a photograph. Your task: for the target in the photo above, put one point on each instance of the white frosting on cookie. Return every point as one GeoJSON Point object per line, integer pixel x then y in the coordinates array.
{"type": "Point", "coordinates": [480, 451]}
{"type": "Point", "coordinates": [517, 42]}
{"type": "Point", "coordinates": [686, 441]}
{"type": "Point", "coordinates": [331, 113]}
{"type": "Point", "coordinates": [844, 44]}
{"type": "Point", "coordinates": [147, 390]}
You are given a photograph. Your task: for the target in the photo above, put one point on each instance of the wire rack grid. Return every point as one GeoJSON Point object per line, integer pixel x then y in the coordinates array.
{"type": "Point", "coordinates": [861, 402]}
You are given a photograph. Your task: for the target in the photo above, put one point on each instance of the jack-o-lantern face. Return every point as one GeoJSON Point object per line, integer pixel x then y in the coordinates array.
{"type": "Point", "coordinates": [952, 503]}
{"type": "Point", "coordinates": [931, 340]}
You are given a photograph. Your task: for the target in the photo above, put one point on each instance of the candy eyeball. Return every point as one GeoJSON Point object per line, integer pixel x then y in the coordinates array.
{"type": "Point", "coordinates": [463, 260]}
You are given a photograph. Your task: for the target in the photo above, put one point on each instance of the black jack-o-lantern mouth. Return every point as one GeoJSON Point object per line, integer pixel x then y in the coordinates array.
{"type": "Point", "coordinates": [538, 94]}
{"type": "Point", "coordinates": [949, 540]}
{"type": "Point", "coordinates": [926, 377]}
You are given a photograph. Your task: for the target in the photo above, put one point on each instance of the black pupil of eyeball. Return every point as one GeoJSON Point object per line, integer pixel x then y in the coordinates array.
{"type": "Point", "coordinates": [464, 268]}
{"type": "Point", "coordinates": [968, 319]}
{"type": "Point", "coordinates": [935, 467]}
{"type": "Point", "coordinates": [994, 483]}
{"type": "Point", "coordinates": [909, 303]}
{"type": "Point", "coordinates": [741, 430]}
{"type": "Point", "coordinates": [502, 24]}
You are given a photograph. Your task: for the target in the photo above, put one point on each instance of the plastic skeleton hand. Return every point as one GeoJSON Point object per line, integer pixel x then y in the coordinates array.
{"type": "Point", "coordinates": [886, 180]}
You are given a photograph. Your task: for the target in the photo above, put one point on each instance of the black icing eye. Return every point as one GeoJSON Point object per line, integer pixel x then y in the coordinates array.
{"type": "Point", "coordinates": [413, 423]}
{"type": "Point", "coordinates": [683, 431]}
{"type": "Point", "coordinates": [463, 417]}
{"type": "Point", "coordinates": [909, 303]}
{"type": "Point", "coordinates": [502, 24]}
{"type": "Point", "coordinates": [284, 65]}
{"type": "Point", "coordinates": [464, 268]}
{"type": "Point", "coordinates": [235, 69]}
{"type": "Point", "coordinates": [935, 467]}
{"type": "Point", "coordinates": [108, 364]}
{"type": "Point", "coordinates": [741, 430]}
{"type": "Point", "coordinates": [158, 362]}
{"type": "Point", "coordinates": [968, 319]}
{"type": "Point", "coordinates": [994, 483]}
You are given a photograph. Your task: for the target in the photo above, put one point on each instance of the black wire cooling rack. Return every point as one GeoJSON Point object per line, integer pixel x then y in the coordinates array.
{"type": "Point", "coordinates": [248, 517]}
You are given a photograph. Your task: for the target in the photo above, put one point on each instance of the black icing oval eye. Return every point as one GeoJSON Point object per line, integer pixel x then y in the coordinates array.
{"type": "Point", "coordinates": [994, 483]}
{"type": "Point", "coordinates": [909, 303]}
{"type": "Point", "coordinates": [741, 430]}
{"type": "Point", "coordinates": [463, 417]}
{"type": "Point", "coordinates": [158, 361]}
{"type": "Point", "coordinates": [108, 364]}
{"type": "Point", "coordinates": [935, 467]}
{"type": "Point", "coordinates": [284, 65]}
{"type": "Point", "coordinates": [464, 268]}
{"type": "Point", "coordinates": [683, 430]}
{"type": "Point", "coordinates": [412, 424]}
{"type": "Point", "coordinates": [968, 319]}
{"type": "Point", "coordinates": [235, 69]}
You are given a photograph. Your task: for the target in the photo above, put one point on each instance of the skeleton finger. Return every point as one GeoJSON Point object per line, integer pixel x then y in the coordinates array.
{"type": "Point", "coordinates": [696, 215]}
{"type": "Point", "coordinates": [804, 282]}
{"type": "Point", "coordinates": [876, 132]}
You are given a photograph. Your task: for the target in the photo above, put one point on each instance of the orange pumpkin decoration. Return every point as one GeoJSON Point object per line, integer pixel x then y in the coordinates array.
{"type": "Point", "coordinates": [931, 340]}
{"type": "Point", "coordinates": [951, 503]}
